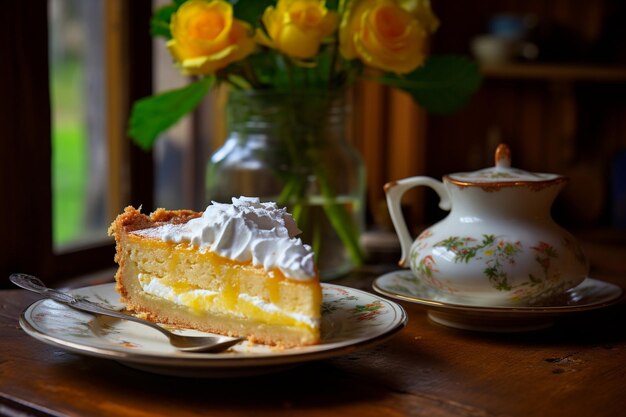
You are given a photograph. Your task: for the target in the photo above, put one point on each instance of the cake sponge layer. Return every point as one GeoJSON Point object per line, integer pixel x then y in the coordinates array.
{"type": "Point", "coordinates": [178, 284]}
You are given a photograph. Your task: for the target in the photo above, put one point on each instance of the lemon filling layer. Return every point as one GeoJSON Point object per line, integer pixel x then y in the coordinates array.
{"type": "Point", "coordinates": [201, 300]}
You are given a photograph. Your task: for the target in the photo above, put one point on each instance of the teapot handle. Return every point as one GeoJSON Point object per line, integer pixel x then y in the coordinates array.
{"type": "Point", "coordinates": [394, 191]}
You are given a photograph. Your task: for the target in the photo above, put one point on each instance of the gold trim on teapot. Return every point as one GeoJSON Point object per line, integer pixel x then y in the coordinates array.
{"type": "Point", "coordinates": [499, 244]}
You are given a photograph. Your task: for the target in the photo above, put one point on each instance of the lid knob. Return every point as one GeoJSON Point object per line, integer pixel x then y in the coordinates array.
{"type": "Point", "coordinates": [503, 156]}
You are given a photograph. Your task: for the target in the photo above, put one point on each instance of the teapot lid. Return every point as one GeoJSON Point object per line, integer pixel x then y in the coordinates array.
{"type": "Point", "coordinates": [503, 175]}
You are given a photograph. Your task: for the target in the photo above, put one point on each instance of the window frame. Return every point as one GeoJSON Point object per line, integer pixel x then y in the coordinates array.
{"type": "Point", "coordinates": [25, 147]}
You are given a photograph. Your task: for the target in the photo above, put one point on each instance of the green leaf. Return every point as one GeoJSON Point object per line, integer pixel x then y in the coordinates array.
{"type": "Point", "coordinates": [239, 82]}
{"type": "Point", "coordinates": [160, 21]}
{"type": "Point", "coordinates": [152, 115]}
{"type": "Point", "coordinates": [249, 10]}
{"type": "Point", "coordinates": [442, 85]}
{"type": "Point", "coordinates": [332, 4]}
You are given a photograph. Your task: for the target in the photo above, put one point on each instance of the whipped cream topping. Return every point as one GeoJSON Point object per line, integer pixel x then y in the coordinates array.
{"type": "Point", "coordinates": [247, 231]}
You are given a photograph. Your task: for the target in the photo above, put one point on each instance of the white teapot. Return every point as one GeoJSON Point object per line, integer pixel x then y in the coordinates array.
{"type": "Point", "coordinates": [499, 245]}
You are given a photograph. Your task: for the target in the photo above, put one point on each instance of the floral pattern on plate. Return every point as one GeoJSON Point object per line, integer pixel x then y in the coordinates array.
{"type": "Point", "coordinates": [350, 318]}
{"type": "Point", "coordinates": [404, 285]}
{"type": "Point", "coordinates": [456, 312]}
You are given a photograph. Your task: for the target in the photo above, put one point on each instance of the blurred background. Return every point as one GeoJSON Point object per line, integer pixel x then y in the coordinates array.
{"type": "Point", "coordinates": [554, 89]}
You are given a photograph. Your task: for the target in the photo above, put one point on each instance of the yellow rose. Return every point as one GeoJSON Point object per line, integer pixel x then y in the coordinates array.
{"type": "Point", "coordinates": [423, 13]}
{"type": "Point", "coordinates": [206, 37]}
{"type": "Point", "coordinates": [383, 35]}
{"type": "Point", "coordinates": [297, 27]}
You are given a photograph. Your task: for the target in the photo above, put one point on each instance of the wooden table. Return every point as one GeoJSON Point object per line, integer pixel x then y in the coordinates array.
{"type": "Point", "coordinates": [576, 368]}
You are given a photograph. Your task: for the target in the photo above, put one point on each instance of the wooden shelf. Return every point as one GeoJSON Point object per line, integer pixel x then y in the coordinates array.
{"type": "Point", "coordinates": [560, 72]}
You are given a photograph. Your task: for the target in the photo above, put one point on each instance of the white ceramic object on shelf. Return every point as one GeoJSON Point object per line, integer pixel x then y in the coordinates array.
{"type": "Point", "coordinates": [499, 245]}
{"type": "Point", "coordinates": [494, 50]}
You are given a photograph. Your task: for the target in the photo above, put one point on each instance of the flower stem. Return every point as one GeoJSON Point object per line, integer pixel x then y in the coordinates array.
{"type": "Point", "coordinates": [289, 66]}
{"type": "Point", "coordinates": [342, 7]}
{"type": "Point", "coordinates": [250, 74]}
{"type": "Point", "coordinates": [340, 220]}
{"type": "Point", "coordinates": [306, 153]}
{"type": "Point", "coordinates": [333, 64]}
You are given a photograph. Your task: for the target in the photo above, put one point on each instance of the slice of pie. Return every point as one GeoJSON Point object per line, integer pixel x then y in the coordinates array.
{"type": "Point", "coordinates": [235, 269]}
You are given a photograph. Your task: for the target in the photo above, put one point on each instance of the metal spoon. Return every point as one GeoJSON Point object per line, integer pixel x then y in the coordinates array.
{"type": "Point", "coordinates": [184, 343]}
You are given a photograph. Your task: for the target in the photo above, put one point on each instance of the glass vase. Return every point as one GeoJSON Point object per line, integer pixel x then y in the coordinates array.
{"type": "Point", "coordinates": [291, 148]}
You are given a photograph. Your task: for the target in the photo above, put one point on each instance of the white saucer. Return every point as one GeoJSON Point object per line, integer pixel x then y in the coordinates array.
{"type": "Point", "coordinates": [351, 320]}
{"type": "Point", "coordinates": [591, 294]}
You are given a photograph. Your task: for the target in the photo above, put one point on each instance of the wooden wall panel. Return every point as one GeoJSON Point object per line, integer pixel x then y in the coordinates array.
{"type": "Point", "coordinates": [367, 131]}
{"type": "Point", "coordinates": [407, 156]}
{"type": "Point", "coordinates": [389, 132]}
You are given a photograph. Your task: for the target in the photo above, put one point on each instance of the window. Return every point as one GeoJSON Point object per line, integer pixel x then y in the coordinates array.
{"type": "Point", "coordinates": [78, 109]}
{"type": "Point", "coordinates": [40, 143]}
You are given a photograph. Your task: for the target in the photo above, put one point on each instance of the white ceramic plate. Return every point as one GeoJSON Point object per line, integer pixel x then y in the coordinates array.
{"type": "Point", "coordinates": [351, 320]}
{"type": "Point", "coordinates": [591, 294]}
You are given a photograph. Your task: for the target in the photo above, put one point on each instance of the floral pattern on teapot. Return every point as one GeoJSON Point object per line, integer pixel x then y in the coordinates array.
{"type": "Point", "coordinates": [499, 244]}
{"type": "Point", "coordinates": [495, 254]}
